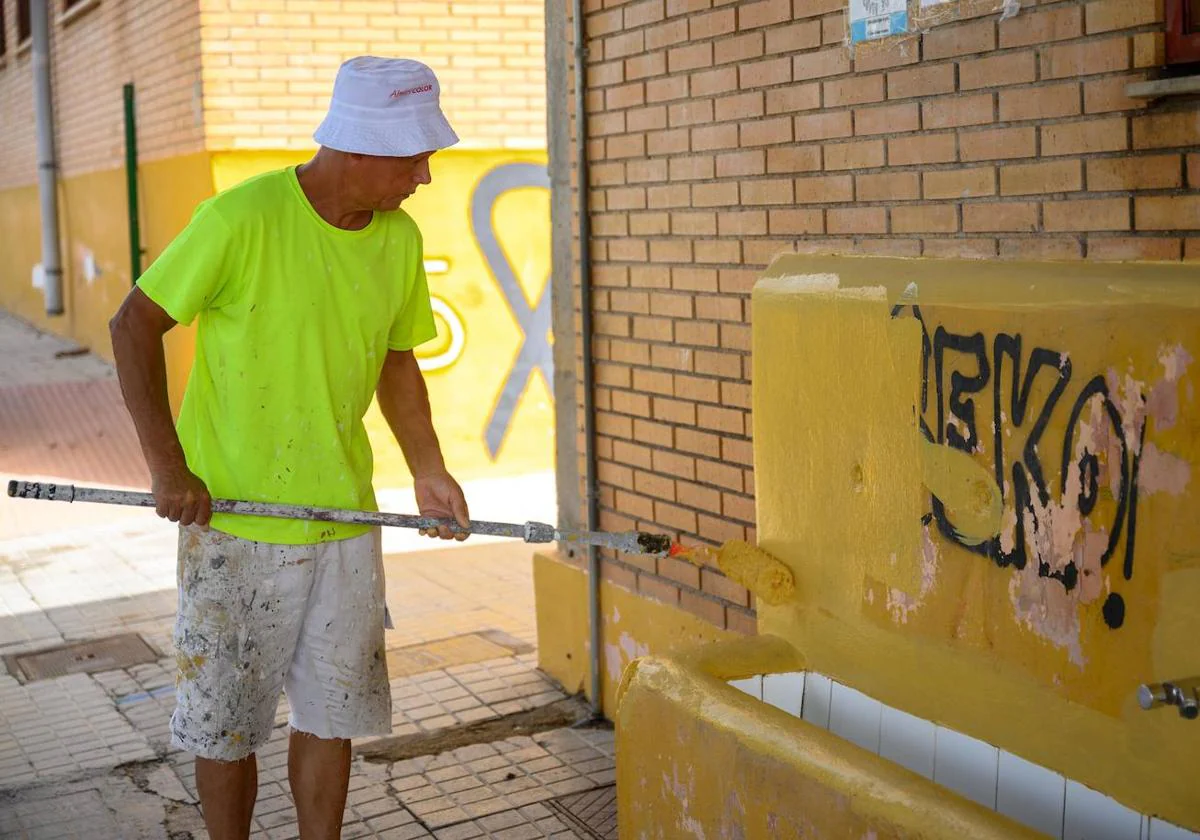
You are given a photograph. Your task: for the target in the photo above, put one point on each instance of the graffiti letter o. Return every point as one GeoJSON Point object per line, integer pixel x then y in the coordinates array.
{"type": "Point", "coordinates": [458, 337]}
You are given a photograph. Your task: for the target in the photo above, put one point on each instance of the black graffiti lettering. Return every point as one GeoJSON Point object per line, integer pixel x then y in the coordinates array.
{"type": "Point", "coordinates": [960, 367]}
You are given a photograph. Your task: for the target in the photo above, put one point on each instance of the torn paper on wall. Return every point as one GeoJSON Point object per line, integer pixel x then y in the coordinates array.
{"type": "Point", "coordinates": [872, 19]}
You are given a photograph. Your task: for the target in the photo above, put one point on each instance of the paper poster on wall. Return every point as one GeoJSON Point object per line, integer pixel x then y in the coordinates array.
{"type": "Point", "coordinates": [871, 19]}
{"type": "Point", "coordinates": [925, 4]}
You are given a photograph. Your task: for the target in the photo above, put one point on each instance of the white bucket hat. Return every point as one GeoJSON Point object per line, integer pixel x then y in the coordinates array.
{"type": "Point", "coordinates": [387, 107]}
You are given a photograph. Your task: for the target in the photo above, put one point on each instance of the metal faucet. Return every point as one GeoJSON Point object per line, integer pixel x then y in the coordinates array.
{"type": "Point", "coordinates": [1182, 693]}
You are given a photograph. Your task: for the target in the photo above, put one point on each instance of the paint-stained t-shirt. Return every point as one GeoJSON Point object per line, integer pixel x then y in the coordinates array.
{"type": "Point", "coordinates": [294, 321]}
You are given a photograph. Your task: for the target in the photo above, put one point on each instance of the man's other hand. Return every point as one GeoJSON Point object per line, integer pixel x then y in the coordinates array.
{"type": "Point", "coordinates": [440, 497]}
{"type": "Point", "coordinates": [180, 496]}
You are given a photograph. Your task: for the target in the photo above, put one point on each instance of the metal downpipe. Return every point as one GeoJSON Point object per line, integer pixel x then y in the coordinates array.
{"type": "Point", "coordinates": [585, 303]}
{"type": "Point", "coordinates": [43, 109]}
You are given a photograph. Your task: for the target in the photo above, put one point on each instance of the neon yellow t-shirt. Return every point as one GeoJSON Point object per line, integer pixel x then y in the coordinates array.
{"type": "Point", "coordinates": [295, 318]}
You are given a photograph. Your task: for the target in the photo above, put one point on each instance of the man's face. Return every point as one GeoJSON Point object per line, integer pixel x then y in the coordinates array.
{"type": "Point", "coordinates": [386, 182]}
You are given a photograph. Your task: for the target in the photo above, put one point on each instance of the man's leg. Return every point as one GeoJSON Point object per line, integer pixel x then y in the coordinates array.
{"type": "Point", "coordinates": [319, 772]}
{"type": "Point", "coordinates": [227, 792]}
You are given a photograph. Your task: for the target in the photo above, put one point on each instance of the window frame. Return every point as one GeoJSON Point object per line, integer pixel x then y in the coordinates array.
{"type": "Point", "coordinates": [1183, 33]}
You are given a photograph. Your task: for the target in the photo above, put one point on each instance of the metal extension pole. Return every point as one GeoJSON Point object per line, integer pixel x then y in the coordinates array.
{"type": "Point", "coordinates": [131, 185]}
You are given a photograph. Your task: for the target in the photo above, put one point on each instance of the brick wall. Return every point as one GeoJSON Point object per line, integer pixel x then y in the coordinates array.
{"type": "Point", "coordinates": [97, 49]}
{"type": "Point", "coordinates": [269, 65]}
{"type": "Point", "coordinates": [722, 133]}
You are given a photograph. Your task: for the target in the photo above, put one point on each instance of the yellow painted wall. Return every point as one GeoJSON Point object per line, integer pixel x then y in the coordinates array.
{"type": "Point", "coordinates": [464, 391]}
{"type": "Point", "coordinates": [945, 623]}
{"type": "Point", "coordinates": [632, 626]}
{"type": "Point", "coordinates": [94, 221]}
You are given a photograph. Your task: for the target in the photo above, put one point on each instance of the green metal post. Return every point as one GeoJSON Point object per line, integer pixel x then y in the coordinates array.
{"type": "Point", "coordinates": [131, 184]}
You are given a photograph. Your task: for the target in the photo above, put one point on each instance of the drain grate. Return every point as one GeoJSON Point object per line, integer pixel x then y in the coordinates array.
{"type": "Point", "coordinates": [90, 657]}
{"type": "Point", "coordinates": [456, 650]}
{"type": "Point", "coordinates": [593, 812]}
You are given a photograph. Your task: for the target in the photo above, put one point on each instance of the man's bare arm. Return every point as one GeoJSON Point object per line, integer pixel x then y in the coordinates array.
{"type": "Point", "coordinates": [137, 338]}
{"type": "Point", "coordinates": [404, 401]}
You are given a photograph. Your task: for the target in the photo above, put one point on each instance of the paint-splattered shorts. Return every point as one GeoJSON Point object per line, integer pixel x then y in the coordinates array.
{"type": "Point", "coordinates": [255, 618]}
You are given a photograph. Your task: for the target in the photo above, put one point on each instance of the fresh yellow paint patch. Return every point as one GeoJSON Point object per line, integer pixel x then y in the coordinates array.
{"type": "Point", "coordinates": [753, 568]}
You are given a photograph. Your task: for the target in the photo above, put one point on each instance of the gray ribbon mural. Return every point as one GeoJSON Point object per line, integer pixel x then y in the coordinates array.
{"type": "Point", "coordinates": [534, 320]}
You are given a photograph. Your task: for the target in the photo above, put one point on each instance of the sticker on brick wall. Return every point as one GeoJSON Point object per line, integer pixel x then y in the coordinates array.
{"type": "Point", "coordinates": [871, 19]}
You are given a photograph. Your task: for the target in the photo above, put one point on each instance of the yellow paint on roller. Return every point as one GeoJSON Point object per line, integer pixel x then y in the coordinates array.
{"type": "Point", "coordinates": [969, 493]}
{"type": "Point", "coordinates": [748, 565]}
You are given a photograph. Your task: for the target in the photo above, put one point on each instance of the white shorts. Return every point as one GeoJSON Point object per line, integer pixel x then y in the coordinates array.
{"type": "Point", "coordinates": [255, 618]}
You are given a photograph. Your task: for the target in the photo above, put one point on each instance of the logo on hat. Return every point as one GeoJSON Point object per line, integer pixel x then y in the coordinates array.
{"type": "Point", "coordinates": [396, 94]}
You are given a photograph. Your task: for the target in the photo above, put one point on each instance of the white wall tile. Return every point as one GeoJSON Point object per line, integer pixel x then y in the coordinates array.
{"type": "Point", "coordinates": [1160, 830]}
{"type": "Point", "coordinates": [966, 765]}
{"type": "Point", "coordinates": [855, 717]}
{"type": "Point", "coordinates": [750, 685]}
{"type": "Point", "coordinates": [1031, 794]}
{"type": "Point", "coordinates": [1091, 815]}
{"type": "Point", "coordinates": [907, 740]}
{"type": "Point", "coordinates": [818, 689]}
{"type": "Point", "coordinates": [785, 691]}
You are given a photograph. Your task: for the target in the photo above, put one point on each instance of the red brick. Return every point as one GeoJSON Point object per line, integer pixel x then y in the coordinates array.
{"type": "Point", "coordinates": [654, 588]}
{"type": "Point", "coordinates": [824, 125]}
{"type": "Point", "coordinates": [690, 57]}
{"type": "Point", "coordinates": [738, 507]}
{"type": "Point", "coordinates": [719, 586]}
{"type": "Point", "coordinates": [856, 220]}
{"type": "Point", "coordinates": [673, 463]}
{"type": "Point", "coordinates": [712, 24]}
{"type": "Point", "coordinates": [1039, 103]}
{"type": "Point", "coordinates": [663, 90]}
{"type": "Point", "coordinates": [951, 112]}
{"type": "Point", "coordinates": [1108, 94]}
{"type": "Point", "coordinates": [635, 505]}
{"type": "Point", "coordinates": [796, 222]}
{"type": "Point", "coordinates": [734, 164]}
{"type": "Point", "coordinates": [919, 81]}
{"type": "Point", "coordinates": [763, 13]}
{"type": "Point", "coordinates": [998, 143]}
{"type": "Point", "coordinates": [743, 223]}
{"type": "Point", "coordinates": [924, 218]}
{"type": "Point", "coordinates": [708, 252]}
{"type": "Point", "coordinates": [1107, 15]}
{"type": "Point", "coordinates": [767, 191]}
{"type": "Point", "coordinates": [949, 41]}
{"type": "Point", "coordinates": [643, 13]}
{"type": "Point", "coordinates": [627, 250]}
{"type": "Point", "coordinates": [694, 223]}
{"type": "Point", "coordinates": [685, 278]}
{"type": "Point", "coordinates": [618, 575]}
{"type": "Point", "coordinates": [824, 189]}
{"type": "Point", "coordinates": [655, 434]}
{"type": "Point", "coordinates": [627, 198]}
{"type": "Point", "coordinates": [692, 112]}
{"type": "Point", "coordinates": [1041, 248]}
{"type": "Point", "coordinates": [720, 475]}
{"type": "Point", "coordinates": [960, 183]}
{"type": "Point", "coordinates": [655, 486]}
{"type": "Point", "coordinates": [703, 608]}
{"type": "Point", "coordinates": [804, 97]}
{"type": "Point", "coordinates": [1086, 58]}
{"type": "Point", "coordinates": [700, 498]}
{"type": "Point", "coordinates": [666, 34]}
{"type": "Point", "coordinates": [654, 382]}
{"type": "Point", "coordinates": [606, 73]}
{"type": "Point", "coordinates": [802, 35]}
{"type": "Point", "coordinates": [672, 195]}
{"type": "Point", "coordinates": [770, 72]}
{"type": "Point", "coordinates": [648, 224]}
{"type": "Point", "coordinates": [737, 451]}
{"type": "Point", "coordinates": [714, 137]}
{"type": "Point", "coordinates": [671, 305]}
{"type": "Point", "coordinates": [1034, 27]}
{"type": "Point", "coordinates": [895, 52]}
{"type": "Point", "coordinates": [967, 249]}
{"type": "Point", "coordinates": [720, 419]}
{"type": "Point", "coordinates": [1135, 173]}
{"type": "Point", "coordinates": [1086, 214]}
{"type": "Point", "coordinates": [671, 250]}
{"type": "Point", "coordinates": [794, 159]}
{"type": "Point", "coordinates": [720, 530]}
{"type": "Point", "coordinates": [1045, 177]}
{"type": "Point", "coordinates": [887, 119]}
{"type": "Point", "coordinates": [737, 49]}
{"type": "Point", "coordinates": [760, 252]}
{"type": "Point", "coordinates": [641, 171]}
{"type": "Point", "coordinates": [887, 186]}
{"type": "Point", "coordinates": [1149, 49]}
{"type": "Point", "coordinates": [820, 63]}
{"type": "Point", "coordinates": [675, 517]}
{"type": "Point", "coordinates": [682, 7]}
{"type": "Point", "coordinates": [1000, 216]}
{"type": "Point", "coordinates": [766, 132]}
{"type": "Point", "coordinates": [1162, 131]}
{"type": "Point", "coordinates": [679, 571]}
{"type": "Point", "coordinates": [833, 28]}
{"type": "Point", "coordinates": [1193, 170]}
{"type": "Point", "coordinates": [647, 64]}
{"type": "Point", "coordinates": [1133, 248]}
{"type": "Point", "coordinates": [691, 167]}
{"type": "Point", "coordinates": [859, 154]}
{"type": "Point", "coordinates": [1167, 212]}
{"type": "Point", "coordinates": [921, 148]}
{"type": "Point", "coordinates": [625, 96]}
{"type": "Point", "coordinates": [720, 308]}
{"type": "Point", "coordinates": [651, 118]}
{"type": "Point", "coordinates": [854, 90]}
{"type": "Point", "coordinates": [626, 43]}
{"type": "Point", "coordinates": [741, 622]}
{"type": "Point", "coordinates": [1109, 134]}
{"type": "Point", "coordinates": [997, 71]}
{"type": "Point", "coordinates": [718, 80]}
{"type": "Point", "coordinates": [741, 106]}
{"type": "Point", "coordinates": [626, 146]}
